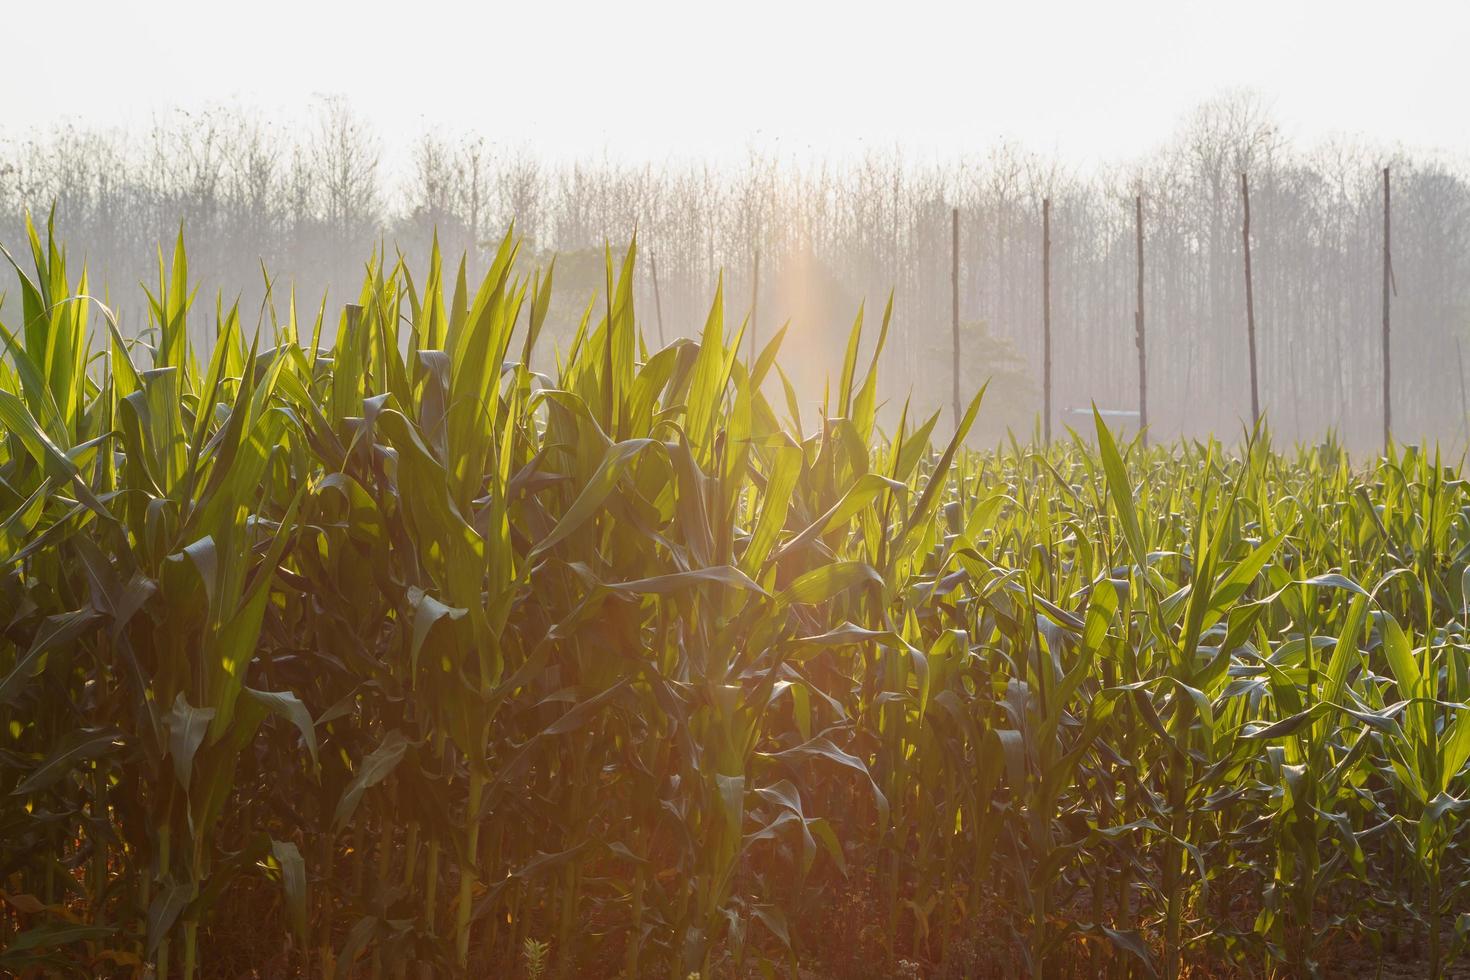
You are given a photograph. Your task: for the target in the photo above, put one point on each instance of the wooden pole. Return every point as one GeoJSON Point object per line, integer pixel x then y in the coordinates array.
{"type": "Point", "coordinates": [1138, 325]}
{"type": "Point", "coordinates": [1464, 403]}
{"type": "Point", "coordinates": [954, 282]}
{"type": "Point", "coordinates": [1046, 317]}
{"type": "Point", "coordinates": [755, 285]}
{"type": "Point", "coordinates": [1250, 301]}
{"type": "Point", "coordinates": [658, 304]}
{"type": "Point", "coordinates": [1387, 285]}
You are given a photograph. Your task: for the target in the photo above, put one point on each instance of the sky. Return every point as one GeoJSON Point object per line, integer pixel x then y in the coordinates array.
{"type": "Point", "coordinates": [1092, 82]}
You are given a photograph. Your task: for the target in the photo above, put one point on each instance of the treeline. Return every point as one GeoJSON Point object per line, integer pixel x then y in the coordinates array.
{"type": "Point", "coordinates": [312, 200]}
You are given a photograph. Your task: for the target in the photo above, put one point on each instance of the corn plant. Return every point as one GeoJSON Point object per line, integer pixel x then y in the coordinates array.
{"type": "Point", "coordinates": [383, 634]}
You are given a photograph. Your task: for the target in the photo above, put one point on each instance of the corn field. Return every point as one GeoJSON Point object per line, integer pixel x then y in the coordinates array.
{"type": "Point", "coordinates": [384, 642]}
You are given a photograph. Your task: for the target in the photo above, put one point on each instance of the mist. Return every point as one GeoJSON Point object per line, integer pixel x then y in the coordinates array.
{"type": "Point", "coordinates": [311, 202]}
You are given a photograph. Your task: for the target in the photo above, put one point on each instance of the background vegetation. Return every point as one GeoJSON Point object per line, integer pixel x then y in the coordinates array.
{"type": "Point", "coordinates": [309, 203]}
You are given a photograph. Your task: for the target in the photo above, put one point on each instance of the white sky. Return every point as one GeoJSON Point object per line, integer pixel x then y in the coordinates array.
{"type": "Point", "coordinates": [633, 79]}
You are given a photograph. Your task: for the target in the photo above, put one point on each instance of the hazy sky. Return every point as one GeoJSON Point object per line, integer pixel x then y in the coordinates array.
{"type": "Point", "coordinates": [1092, 81]}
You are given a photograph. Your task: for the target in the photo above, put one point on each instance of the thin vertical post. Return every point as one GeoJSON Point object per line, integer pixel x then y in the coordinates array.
{"type": "Point", "coordinates": [1250, 300]}
{"type": "Point", "coordinates": [1387, 285]}
{"type": "Point", "coordinates": [1046, 316]}
{"type": "Point", "coordinates": [1138, 325]}
{"type": "Point", "coordinates": [658, 303]}
{"type": "Point", "coordinates": [954, 283]}
{"type": "Point", "coordinates": [755, 285]}
{"type": "Point", "coordinates": [1464, 403]}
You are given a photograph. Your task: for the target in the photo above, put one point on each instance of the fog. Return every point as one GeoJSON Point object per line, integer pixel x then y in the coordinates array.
{"type": "Point", "coordinates": [311, 201]}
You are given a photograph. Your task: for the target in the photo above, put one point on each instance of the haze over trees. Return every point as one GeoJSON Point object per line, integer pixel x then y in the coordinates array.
{"type": "Point", "coordinates": [834, 234]}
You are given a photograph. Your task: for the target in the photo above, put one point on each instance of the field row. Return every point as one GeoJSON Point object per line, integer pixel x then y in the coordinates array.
{"type": "Point", "coordinates": [429, 644]}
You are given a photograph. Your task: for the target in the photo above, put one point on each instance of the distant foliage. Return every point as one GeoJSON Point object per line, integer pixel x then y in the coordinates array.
{"type": "Point", "coordinates": [309, 201]}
